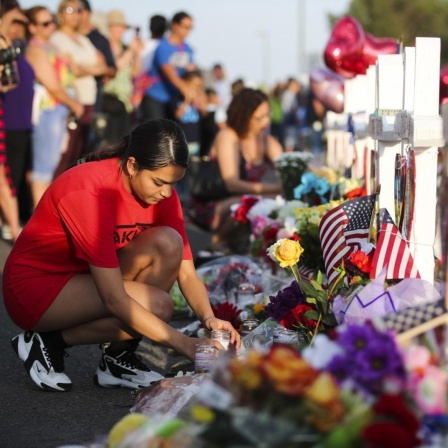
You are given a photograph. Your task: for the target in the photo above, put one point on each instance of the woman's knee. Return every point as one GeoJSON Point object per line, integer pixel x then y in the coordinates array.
{"type": "Point", "coordinates": [158, 242]}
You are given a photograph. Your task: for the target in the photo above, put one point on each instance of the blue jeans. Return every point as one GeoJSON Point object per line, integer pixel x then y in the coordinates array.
{"type": "Point", "coordinates": [48, 137]}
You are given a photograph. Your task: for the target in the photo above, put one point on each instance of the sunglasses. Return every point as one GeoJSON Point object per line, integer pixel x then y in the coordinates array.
{"type": "Point", "coordinates": [71, 10]}
{"type": "Point", "coordinates": [46, 24]}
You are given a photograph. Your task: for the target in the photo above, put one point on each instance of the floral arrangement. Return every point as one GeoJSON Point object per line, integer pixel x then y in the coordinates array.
{"type": "Point", "coordinates": [347, 392]}
{"type": "Point", "coordinates": [306, 309]}
{"type": "Point", "coordinates": [290, 167]}
{"type": "Point", "coordinates": [357, 389]}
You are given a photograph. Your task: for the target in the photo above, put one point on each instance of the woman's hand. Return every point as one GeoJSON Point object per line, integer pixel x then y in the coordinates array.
{"type": "Point", "coordinates": [212, 323]}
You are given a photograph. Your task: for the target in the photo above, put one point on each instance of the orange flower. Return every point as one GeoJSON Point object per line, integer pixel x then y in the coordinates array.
{"type": "Point", "coordinates": [287, 371]}
{"type": "Point", "coordinates": [247, 372]}
{"type": "Point", "coordinates": [323, 402]}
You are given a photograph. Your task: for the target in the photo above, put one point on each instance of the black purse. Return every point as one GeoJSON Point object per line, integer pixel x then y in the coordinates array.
{"type": "Point", "coordinates": [204, 179]}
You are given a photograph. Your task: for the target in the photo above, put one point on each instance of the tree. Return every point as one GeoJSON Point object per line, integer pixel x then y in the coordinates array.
{"type": "Point", "coordinates": [403, 19]}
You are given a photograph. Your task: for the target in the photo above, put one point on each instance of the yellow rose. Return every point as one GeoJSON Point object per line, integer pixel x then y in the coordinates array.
{"type": "Point", "coordinates": [288, 252]}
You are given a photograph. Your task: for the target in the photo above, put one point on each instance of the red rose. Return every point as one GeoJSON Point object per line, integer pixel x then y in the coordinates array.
{"type": "Point", "coordinates": [240, 214]}
{"type": "Point", "coordinates": [297, 316]}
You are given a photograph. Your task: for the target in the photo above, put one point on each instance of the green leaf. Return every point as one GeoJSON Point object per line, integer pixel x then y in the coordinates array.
{"type": "Point", "coordinates": [316, 285]}
{"type": "Point", "coordinates": [319, 278]}
{"type": "Point", "coordinates": [312, 315]}
{"type": "Point", "coordinates": [307, 289]}
{"type": "Point", "coordinates": [330, 320]}
{"type": "Point", "coordinates": [311, 300]}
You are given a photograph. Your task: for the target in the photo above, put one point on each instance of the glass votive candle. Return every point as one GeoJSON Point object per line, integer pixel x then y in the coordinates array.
{"type": "Point", "coordinates": [204, 358]}
{"type": "Point", "coordinates": [289, 337]}
{"type": "Point", "coordinates": [277, 330]}
{"type": "Point", "coordinates": [222, 336]}
{"type": "Point", "coordinates": [245, 294]}
{"type": "Point", "coordinates": [247, 326]}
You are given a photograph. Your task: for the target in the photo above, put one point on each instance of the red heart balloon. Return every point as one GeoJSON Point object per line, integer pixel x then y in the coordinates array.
{"type": "Point", "coordinates": [328, 87]}
{"type": "Point", "coordinates": [343, 53]}
{"type": "Point", "coordinates": [444, 84]}
{"type": "Point", "coordinates": [373, 46]}
{"type": "Point", "coordinates": [350, 50]}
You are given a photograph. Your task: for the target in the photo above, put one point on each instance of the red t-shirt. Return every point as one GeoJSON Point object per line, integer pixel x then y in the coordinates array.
{"type": "Point", "coordinates": [84, 217]}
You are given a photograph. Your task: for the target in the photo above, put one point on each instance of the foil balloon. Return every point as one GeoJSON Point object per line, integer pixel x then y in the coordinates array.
{"type": "Point", "coordinates": [350, 50]}
{"type": "Point", "coordinates": [444, 84]}
{"type": "Point", "coordinates": [343, 53]}
{"type": "Point", "coordinates": [373, 46]}
{"type": "Point", "coordinates": [328, 87]}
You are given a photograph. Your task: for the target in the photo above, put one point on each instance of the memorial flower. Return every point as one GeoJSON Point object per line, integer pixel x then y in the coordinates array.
{"type": "Point", "coordinates": [310, 312]}
{"type": "Point", "coordinates": [290, 167]}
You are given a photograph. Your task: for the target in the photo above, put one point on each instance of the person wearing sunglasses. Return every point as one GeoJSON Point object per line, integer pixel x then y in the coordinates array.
{"type": "Point", "coordinates": [87, 63]}
{"type": "Point", "coordinates": [54, 99]}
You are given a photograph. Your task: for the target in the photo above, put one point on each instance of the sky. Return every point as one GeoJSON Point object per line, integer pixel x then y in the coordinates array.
{"type": "Point", "coordinates": [261, 41]}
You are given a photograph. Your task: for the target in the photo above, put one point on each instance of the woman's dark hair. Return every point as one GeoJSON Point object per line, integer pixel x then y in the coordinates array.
{"type": "Point", "coordinates": [242, 107]}
{"type": "Point", "coordinates": [179, 16]}
{"type": "Point", "coordinates": [154, 144]}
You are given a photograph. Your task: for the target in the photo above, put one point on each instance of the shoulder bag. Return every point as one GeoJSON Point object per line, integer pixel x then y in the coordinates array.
{"type": "Point", "coordinates": [204, 179]}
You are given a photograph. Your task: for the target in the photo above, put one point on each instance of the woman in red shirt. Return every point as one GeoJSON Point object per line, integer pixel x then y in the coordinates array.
{"type": "Point", "coordinates": [96, 261]}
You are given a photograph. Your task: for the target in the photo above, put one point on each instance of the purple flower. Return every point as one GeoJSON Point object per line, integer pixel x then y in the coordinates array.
{"type": "Point", "coordinates": [356, 338]}
{"type": "Point", "coordinates": [340, 367]}
{"type": "Point", "coordinates": [285, 300]}
{"type": "Point", "coordinates": [375, 364]}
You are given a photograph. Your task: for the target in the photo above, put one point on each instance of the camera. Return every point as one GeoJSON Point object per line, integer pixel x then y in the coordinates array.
{"type": "Point", "coordinates": [9, 77]}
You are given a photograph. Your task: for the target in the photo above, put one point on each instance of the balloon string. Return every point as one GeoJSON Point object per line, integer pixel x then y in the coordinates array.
{"type": "Point", "coordinates": [408, 241]}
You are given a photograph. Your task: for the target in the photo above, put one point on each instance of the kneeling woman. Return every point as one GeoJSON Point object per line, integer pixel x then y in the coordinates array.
{"type": "Point", "coordinates": [97, 259]}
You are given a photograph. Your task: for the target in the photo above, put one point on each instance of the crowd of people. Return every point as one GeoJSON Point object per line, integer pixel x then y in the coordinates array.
{"type": "Point", "coordinates": [97, 140]}
{"type": "Point", "coordinates": [82, 87]}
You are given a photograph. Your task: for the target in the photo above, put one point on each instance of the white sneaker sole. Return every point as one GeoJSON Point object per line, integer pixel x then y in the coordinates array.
{"type": "Point", "coordinates": [103, 379]}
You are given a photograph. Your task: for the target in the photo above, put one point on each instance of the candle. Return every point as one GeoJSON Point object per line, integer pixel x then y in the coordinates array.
{"type": "Point", "coordinates": [222, 336]}
{"type": "Point", "coordinates": [204, 358]}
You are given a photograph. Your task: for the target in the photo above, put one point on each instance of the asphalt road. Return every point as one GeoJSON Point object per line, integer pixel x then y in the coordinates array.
{"type": "Point", "coordinates": [32, 418]}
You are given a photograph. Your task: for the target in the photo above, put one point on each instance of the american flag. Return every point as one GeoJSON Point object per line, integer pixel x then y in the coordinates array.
{"type": "Point", "coordinates": [392, 251]}
{"type": "Point", "coordinates": [342, 230]}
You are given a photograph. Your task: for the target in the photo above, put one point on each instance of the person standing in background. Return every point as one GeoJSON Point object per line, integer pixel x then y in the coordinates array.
{"type": "Point", "coordinates": [173, 57]}
{"type": "Point", "coordinates": [101, 43]}
{"type": "Point", "coordinates": [290, 107]}
{"type": "Point", "coordinates": [275, 102]}
{"type": "Point", "coordinates": [117, 105]}
{"type": "Point", "coordinates": [142, 81]}
{"type": "Point", "coordinates": [18, 104]}
{"type": "Point", "coordinates": [87, 62]}
{"type": "Point", "coordinates": [157, 29]}
{"type": "Point", "coordinates": [188, 112]}
{"type": "Point", "coordinates": [221, 85]}
{"type": "Point", "coordinates": [55, 99]}
{"type": "Point", "coordinates": [10, 13]}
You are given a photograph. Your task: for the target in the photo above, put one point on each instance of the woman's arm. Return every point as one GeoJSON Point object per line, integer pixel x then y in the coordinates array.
{"type": "Point", "coordinates": [45, 74]}
{"type": "Point", "coordinates": [197, 297]}
{"type": "Point", "coordinates": [100, 68]}
{"type": "Point", "coordinates": [226, 149]}
{"type": "Point", "coordinates": [110, 286]}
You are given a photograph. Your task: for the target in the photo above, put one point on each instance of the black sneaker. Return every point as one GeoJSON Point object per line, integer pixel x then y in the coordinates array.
{"type": "Point", "coordinates": [123, 369]}
{"type": "Point", "coordinates": [44, 364]}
